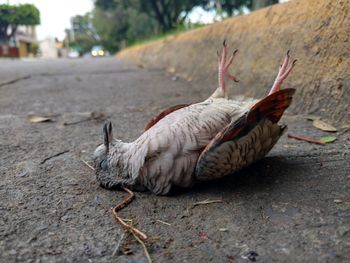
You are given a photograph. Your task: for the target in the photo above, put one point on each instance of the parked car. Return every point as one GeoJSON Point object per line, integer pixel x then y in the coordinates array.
{"type": "Point", "coordinates": [98, 51]}
{"type": "Point", "coordinates": [73, 54]}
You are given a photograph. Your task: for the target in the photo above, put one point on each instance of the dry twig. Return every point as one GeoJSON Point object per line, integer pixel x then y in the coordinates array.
{"type": "Point", "coordinates": [205, 202]}
{"type": "Point", "coordinates": [165, 223]}
{"type": "Point", "coordinates": [127, 200]}
{"type": "Point", "coordinates": [53, 156]}
{"type": "Point", "coordinates": [144, 247]}
{"type": "Point", "coordinates": [117, 247]}
{"type": "Point", "coordinates": [139, 236]}
{"type": "Point", "coordinates": [305, 139]}
{"type": "Point", "coordinates": [88, 165]}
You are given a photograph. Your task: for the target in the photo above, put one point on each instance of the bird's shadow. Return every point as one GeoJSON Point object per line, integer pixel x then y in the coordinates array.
{"type": "Point", "coordinates": [254, 178]}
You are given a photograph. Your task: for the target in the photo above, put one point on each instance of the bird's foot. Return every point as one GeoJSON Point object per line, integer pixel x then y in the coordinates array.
{"type": "Point", "coordinates": [283, 73]}
{"type": "Point", "coordinates": [224, 65]}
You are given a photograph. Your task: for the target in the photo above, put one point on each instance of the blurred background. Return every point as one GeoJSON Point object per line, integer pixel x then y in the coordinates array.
{"type": "Point", "coordinates": [88, 28]}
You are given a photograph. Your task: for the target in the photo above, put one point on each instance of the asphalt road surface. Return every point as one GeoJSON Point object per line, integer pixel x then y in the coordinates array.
{"type": "Point", "coordinates": [293, 206]}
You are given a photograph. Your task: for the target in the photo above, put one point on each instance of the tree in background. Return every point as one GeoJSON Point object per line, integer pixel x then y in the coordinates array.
{"type": "Point", "coordinates": [228, 8]}
{"type": "Point", "coordinates": [256, 4]}
{"type": "Point", "coordinates": [34, 49]}
{"type": "Point", "coordinates": [111, 25]}
{"type": "Point", "coordinates": [83, 35]}
{"type": "Point", "coordinates": [122, 22]}
{"type": "Point", "coordinates": [169, 13]}
{"type": "Point", "coordinates": [12, 16]}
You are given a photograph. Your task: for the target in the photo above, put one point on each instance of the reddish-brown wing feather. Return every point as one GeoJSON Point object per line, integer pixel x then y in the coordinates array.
{"type": "Point", "coordinates": [270, 107]}
{"type": "Point", "coordinates": [164, 113]}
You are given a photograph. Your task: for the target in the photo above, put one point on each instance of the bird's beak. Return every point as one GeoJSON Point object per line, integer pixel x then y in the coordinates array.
{"type": "Point", "coordinates": [108, 134]}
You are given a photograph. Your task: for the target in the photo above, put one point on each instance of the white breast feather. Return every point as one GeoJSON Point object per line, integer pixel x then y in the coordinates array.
{"type": "Point", "coordinates": [167, 153]}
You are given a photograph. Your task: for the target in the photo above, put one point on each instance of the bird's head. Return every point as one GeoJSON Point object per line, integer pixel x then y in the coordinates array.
{"type": "Point", "coordinates": [108, 161]}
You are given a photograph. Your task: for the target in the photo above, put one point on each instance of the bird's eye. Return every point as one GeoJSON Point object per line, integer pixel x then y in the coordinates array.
{"type": "Point", "coordinates": [104, 165]}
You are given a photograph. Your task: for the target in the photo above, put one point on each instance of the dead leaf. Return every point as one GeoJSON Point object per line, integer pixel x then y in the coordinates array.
{"type": "Point", "coordinates": [37, 119]}
{"type": "Point", "coordinates": [312, 117]}
{"type": "Point", "coordinates": [328, 139]}
{"type": "Point", "coordinates": [324, 126]}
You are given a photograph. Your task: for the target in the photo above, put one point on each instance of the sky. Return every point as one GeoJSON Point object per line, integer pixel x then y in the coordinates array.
{"type": "Point", "coordinates": [55, 14]}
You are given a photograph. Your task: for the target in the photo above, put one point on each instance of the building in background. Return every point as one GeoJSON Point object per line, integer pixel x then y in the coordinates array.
{"type": "Point", "coordinates": [17, 30]}
{"type": "Point", "coordinates": [48, 48]}
{"type": "Point", "coordinates": [26, 41]}
{"type": "Point", "coordinates": [22, 44]}
{"type": "Point", "coordinates": [8, 51]}
{"type": "Point", "coordinates": [53, 48]}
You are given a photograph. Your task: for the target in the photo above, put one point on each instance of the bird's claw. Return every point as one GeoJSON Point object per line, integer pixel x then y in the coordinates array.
{"type": "Point", "coordinates": [224, 65]}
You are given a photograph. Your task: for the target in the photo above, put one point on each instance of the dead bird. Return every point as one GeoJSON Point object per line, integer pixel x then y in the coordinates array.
{"type": "Point", "coordinates": [186, 144]}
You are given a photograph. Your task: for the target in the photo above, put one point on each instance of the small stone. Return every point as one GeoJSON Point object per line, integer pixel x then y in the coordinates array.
{"type": "Point", "coordinates": [23, 173]}
{"type": "Point", "coordinates": [251, 255]}
{"type": "Point", "coordinates": [66, 218]}
{"type": "Point", "coordinates": [41, 227]}
{"type": "Point", "coordinates": [23, 169]}
{"type": "Point", "coordinates": [97, 200]}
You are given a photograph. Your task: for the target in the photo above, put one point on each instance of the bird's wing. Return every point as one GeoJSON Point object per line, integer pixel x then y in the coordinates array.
{"type": "Point", "coordinates": [164, 113]}
{"type": "Point", "coordinates": [246, 139]}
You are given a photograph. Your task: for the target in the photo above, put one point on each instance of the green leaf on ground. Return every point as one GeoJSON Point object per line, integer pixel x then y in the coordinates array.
{"type": "Point", "coordinates": [328, 139]}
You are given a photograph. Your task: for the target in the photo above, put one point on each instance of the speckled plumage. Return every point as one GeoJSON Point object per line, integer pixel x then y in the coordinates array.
{"type": "Point", "coordinates": [202, 141]}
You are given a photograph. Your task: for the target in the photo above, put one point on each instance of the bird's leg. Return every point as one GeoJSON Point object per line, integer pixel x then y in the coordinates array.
{"type": "Point", "coordinates": [283, 73]}
{"type": "Point", "coordinates": [223, 66]}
